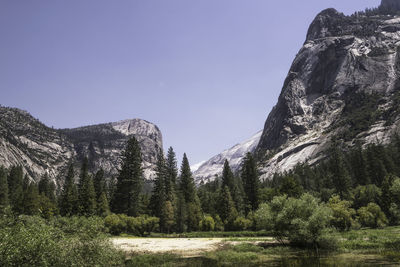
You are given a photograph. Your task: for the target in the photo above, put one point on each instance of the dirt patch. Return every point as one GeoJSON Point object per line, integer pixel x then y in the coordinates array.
{"type": "Point", "coordinates": [182, 246]}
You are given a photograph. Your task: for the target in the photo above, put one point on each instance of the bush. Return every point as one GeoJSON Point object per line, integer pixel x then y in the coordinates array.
{"type": "Point", "coordinates": [372, 216]}
{"type": "Point", "coordinates": [33, 241]}
{"type": "Point", "coordinates": [301, 221]}
{"type": "Point", "coordinates": [139, 226]}
{"type": "Point", "coordinates": [241, 224]}
{"type": "Point", "coordinates": [207, 223]}
{"type": "Point", "coordinates": [115, 224]}
{"type": "Point", "coordinates": [342, 213]}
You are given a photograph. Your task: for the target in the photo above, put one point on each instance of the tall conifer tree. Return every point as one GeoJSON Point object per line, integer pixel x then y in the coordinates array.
{"type": "Point", "coordinates": [250, 182]}
{"type": "Point", "coordinates": [87, 194]}
{"type": "Point", "coordinates": [3, 189]}
{"type": "Point", "coordinates": [130, 181]}
{"type": "Point", "coordinates": [69, 195]}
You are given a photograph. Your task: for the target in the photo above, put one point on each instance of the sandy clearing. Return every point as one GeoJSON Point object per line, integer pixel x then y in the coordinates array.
{"type": "Point", "coordinates": [183, 246]}
{"type": "Point", "coordinates": [187, 246]}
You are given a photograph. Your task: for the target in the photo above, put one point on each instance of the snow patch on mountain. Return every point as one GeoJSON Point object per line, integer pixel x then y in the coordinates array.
{"type": "Point", "coordinates": [213, 167]}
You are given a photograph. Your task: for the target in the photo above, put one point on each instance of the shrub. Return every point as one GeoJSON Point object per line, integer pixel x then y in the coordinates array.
{"type": "Point", "coordinates": [139, 226]}
{"type": "Point", "coordinates": [33, 241]}
{"type": "Point", "coordinates": [207, 223]}
{"type": "Point", "coordinates": [342, 213]}
{"type": "Point", "coordinates": [372, 216]}
{"type": "Point", "coordinates": [115, 224]}
{"type": "Point", "coordinates": [301, 221]}
{"type": "Point", "coordinates": [241, 224]}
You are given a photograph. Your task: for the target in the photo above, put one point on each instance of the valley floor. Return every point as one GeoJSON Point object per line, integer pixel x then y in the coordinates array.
{"type": "Point", "coordinates": [365, 247]}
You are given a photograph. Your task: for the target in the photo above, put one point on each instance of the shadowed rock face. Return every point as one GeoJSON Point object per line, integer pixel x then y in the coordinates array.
{"type": "Point", "coordinates": [342, 57]}
{"type": "Point", "coordinates": [391, 4]}
{"type": "Point", "coordinates": [25, 141]}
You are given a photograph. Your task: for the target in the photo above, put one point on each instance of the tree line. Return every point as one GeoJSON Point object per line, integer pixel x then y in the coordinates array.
{"type": "Point", "coordinates": [360, 185]}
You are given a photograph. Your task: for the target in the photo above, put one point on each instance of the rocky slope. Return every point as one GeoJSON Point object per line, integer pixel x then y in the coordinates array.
{"type": "Point", "coordinates": [212, 167]}
{"type": "Point", "coordinates": [343, 83]}
{"type": "Point", "coordinates": [24, 140]}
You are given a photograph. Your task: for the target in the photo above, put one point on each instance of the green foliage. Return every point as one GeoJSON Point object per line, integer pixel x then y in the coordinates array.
{"type": "Point", "coordinates": [301, 221]}
{"type": "Point", "coordinates": [87, 194]}
{"type": "Point", "coordinates": [32, 241]}
{"type": "Point", "coordinates": [31, 200]}
{"type": "Point", "coordinates": [150, 260]}
{"type": "Point", "coordinates": [372, 216]}
{"type": "Point", "coordinates": [69, 196]}
{"type": "Point", "coordinates": [126, 197]}
{"type": "Point", "coordinates": [47, 188]}
{"type": "Point", "coordinates": [227, 210]}
{"type": "Point", "coordinates": [340, 176]}
{"type": "Point", "coordinates": [15, 189]}
{"type": "Point", "coordinates": [250, 183]}
{"type": "Point", "coordinates": [364, 194]}
{"type": "Point", "coordinates": [207, 223]}
{"type": "Point", "coordinates": [194, 216]}
{"type": "Point", "coordinates": [115, 224]}
{"type": "Point", "coordinates": [290, 187]}
{"type": "Point", "coordinates": [138, 226]}
{"type": "Point", "coordinates": [241, 224]}
{"type": "Point", "coordinates": [186, 185]}
{"type": "Point", "coordinates": [4, 202]}
{"type": "Point", "coordinates": [342, 213]}
{"type": "Point", "coordinates": [360, 112]}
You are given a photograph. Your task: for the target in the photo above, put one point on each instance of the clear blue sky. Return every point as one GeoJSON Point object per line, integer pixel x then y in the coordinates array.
{"type": "Point", "coordinates": [207, 72]}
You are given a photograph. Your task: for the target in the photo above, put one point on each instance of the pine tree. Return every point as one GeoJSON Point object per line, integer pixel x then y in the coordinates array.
{"type": "Point", "coordinates": [181, 214]}
{"type": "Point", "coordinates": [168, 216]}
{"type": "Point", "coordinates": [227, 210]}
{"type": "Point", "coordinates": [227, 177]}
{"type": "Point", "coordinates": [31, 200]}
{"type": "Point", "coordinates": [99, 183]}
{"type": "Point", "coordinates": [341, 178]}
{"type": "Point", "coordinates": [359, 166]}
{"type": "Point", "coordinates": [250, 183]}
{"type": "Point", "coordinates": [159, 194]}
{"type": "Point", "coordinates": [130, 181]}
{"type": "Point", "coordinates": [87, 194]}
{"type": "Point", "coordinates": [47, 188]}
{"type": "Point", "coordinates": [187, 186]}
{"type": "Point", "coordinates": [3, 190]}
{"type": "Point", "coordinates": [103, 208]}
{"type": "Point", "coordinates": [376, 168]}
{"type": "Point", "coordinates": [69, 196]}
{"type": "Point", "coordinates": [234, 185]}
{"type": "Point", "coordinates": [172, 172]}
{"type": "Point", "coordinates": [15, 189]}
{"type": "Point", "coordinates": [188, 190]}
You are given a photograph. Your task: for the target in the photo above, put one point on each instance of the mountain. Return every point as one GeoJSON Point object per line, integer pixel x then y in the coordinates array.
{"type": "Point", "coordinates": [26, 141]}
{"type": "Point", "coordinates": [213, 167]}
{"type": "Point", "coordinates": [343, 84]}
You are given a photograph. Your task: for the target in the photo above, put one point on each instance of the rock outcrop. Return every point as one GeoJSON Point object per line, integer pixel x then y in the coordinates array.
{"type": "Point", "coordinates": [25, 141]}
{"type": "Point", "coordinates": [343, 83]}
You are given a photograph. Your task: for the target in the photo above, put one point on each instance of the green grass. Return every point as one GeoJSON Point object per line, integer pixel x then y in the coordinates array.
{"type": "Point", "coordinates": [364, 247]}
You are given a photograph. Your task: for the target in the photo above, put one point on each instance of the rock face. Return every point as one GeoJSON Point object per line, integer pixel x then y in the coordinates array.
{"type": "Point", "coordinates": [24, 140]}
{"type": "Point", "coordinates": [343, 83]}
{"type": "Point", "coordinates": [213, 167]}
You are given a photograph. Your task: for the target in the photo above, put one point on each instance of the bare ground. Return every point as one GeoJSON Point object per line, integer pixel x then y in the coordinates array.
{"type": "Point", "coordinates": [182, 246]}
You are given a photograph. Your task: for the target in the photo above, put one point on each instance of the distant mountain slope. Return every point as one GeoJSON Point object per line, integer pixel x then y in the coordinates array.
{"type": "Point", "coordinates": [26, 141]}
{"type": "Point", "coordinates": [212, 167]}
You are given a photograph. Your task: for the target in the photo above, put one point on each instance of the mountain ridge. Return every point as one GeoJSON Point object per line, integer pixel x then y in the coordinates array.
{"type": "Point", "coordinates": [26, 141]}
